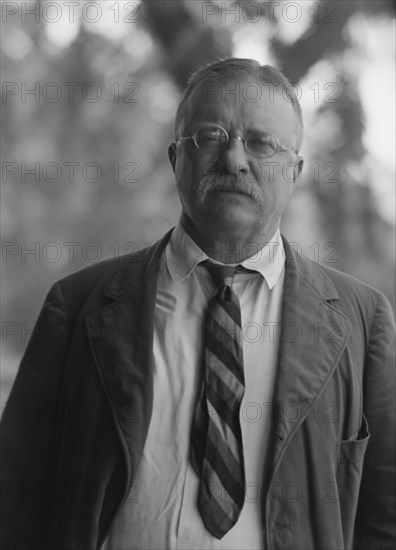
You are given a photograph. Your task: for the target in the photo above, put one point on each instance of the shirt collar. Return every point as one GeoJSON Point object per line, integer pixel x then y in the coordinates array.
{"type": "Point", "coordinates": [183, 255]}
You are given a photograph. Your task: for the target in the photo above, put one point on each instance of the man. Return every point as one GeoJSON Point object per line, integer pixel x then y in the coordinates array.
{"type": "Point", "coordinates": [215, 390]}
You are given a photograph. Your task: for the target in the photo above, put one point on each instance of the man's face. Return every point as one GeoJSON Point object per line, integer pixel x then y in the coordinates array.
{"type": "Point", "coordinates": [231, 193]}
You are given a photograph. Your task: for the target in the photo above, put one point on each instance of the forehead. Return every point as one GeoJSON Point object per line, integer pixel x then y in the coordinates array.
{"type": "Point", "coordinates": [242, 104]}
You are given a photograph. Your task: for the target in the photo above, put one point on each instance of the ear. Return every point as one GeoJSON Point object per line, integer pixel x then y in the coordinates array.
{"type": "Point", "coordinates": [172, 155]}
{"type": "Point", "coordinates": [297, 169]}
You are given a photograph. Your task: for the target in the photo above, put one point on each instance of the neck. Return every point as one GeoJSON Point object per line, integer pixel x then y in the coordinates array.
{"type": "Point", "coordinates": [222, 247]}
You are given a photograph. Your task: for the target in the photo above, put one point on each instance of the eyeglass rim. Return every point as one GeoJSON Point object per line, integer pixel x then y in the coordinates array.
{"type": "Point", "coordinates": [203, 124]}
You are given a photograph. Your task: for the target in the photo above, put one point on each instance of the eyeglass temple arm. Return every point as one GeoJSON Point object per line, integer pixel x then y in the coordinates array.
{"type": "Point", "coordinates": [283, 148]}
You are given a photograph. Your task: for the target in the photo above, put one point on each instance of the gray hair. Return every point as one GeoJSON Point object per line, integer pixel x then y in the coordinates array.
{"type": "Point", "coordinates": [233, 67]}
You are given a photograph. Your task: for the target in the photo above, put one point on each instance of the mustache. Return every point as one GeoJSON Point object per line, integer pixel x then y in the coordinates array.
{"type": "Point", "coordinates": [237, 183]}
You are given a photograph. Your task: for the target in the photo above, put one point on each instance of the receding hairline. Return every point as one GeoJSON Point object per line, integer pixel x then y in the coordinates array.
{"type": "Point", "coordinates": [234, 68]}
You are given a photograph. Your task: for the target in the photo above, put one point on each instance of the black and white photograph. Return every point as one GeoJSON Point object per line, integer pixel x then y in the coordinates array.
{"type": "Point", "coordinates": [198, 275]}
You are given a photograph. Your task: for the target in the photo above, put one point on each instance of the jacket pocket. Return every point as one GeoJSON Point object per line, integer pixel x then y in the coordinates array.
{"type": "Point", "coordinates": [351, 451]}
{"type": "Point", "coordinates": [350, 454]}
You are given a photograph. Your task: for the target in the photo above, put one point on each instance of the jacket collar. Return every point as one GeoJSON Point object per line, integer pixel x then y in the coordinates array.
{"type": "Point", "coordinates": [310, 273]}
{"type": "Point", "coordinates": [138, 269]}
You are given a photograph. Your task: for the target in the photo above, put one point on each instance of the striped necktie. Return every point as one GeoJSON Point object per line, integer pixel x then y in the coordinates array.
{"type": "Point", "coordinates": [216, 438]}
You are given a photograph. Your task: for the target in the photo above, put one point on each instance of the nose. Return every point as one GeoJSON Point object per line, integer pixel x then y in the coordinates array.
{"type": "Point", "coordinates": [234, 159]}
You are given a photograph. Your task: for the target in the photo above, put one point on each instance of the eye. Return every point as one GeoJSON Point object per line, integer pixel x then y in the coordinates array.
{"type": "Point", "coordinates": [208, 136]}
{"type": "Point", "coordinates": [262, 143]}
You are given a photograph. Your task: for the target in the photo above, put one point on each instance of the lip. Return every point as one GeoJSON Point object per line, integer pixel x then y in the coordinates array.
{"type": "Point", "coordinates": [233, 191]}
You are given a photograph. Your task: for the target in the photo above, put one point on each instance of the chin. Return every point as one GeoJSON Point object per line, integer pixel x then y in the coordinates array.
{"type": "Point", "coordinates": [222, 202]}
{"type": "Point", "coordinates": [233, 219]}
{"type": "Point", "coordinates": [227, 204]}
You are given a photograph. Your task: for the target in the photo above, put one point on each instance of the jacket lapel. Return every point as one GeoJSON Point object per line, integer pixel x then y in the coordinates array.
{"type": "Point", "coordinates": [121, 337]}
{"type": "Point", "coordinates": [314, 336]}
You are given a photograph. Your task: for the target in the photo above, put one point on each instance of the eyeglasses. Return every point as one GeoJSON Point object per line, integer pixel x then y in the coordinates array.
{"type": "Point", "coordinates": [214, 138]}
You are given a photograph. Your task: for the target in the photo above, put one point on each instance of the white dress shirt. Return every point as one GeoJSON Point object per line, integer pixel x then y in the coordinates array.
{"type": "Point", "coordinates": [161, 512]}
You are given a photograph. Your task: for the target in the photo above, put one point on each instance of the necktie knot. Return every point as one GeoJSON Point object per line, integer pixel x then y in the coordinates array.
{"type": "Point", "coordinates": [222, 275]}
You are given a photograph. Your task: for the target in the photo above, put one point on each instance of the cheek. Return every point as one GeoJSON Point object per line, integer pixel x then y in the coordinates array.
{"type": "Point", "coordinates": [275, 178]}
{"type": "Point", "coordinates": [188, 170]}
{"type": "Point", "coordinates": [276, 192]}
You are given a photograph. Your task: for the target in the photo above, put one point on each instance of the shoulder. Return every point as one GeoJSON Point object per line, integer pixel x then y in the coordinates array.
{"type": "Point", "coordinates": [99, 274]}
{"type": "Point", "coordinates": [351, 288]}
{"type": "Point", "coordinates": [111, 277]}
{"type": "Point", "coordinates": [359, 301]}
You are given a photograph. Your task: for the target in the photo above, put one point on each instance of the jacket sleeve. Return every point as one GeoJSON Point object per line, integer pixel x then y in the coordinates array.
{"type": "Point", "coordinates": [375, 521]}
{"type": "Point", "coordinates": [27, 429]}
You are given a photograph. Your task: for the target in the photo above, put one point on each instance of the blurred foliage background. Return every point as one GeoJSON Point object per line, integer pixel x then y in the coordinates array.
{"type": "Point", "coordinates": [89, 93]}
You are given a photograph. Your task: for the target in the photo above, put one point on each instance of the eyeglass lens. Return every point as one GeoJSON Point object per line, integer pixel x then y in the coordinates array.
{"type": "Point", "coordinates": [213, 138]}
